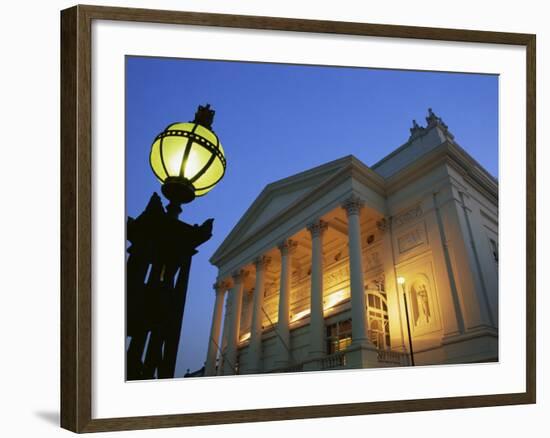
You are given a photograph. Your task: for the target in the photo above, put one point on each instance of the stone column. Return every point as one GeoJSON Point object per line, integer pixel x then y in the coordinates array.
{"type": "Point", "coordinates": [223, 345]}
{"type": "Point", "coordinates": [287, 247]}
{"type": "Point", "coordinates": [236, 296]}
{"type": "Point", "coordinates": [317, 320]}
{"type": "Point", "coordinates": [248, 301]}
{"type": "Point", "coordinates": [359, 322]}
{"type": "Point", "coordinates": [214, 340]}
{"type": "Point", "coordinates": [255, 345]}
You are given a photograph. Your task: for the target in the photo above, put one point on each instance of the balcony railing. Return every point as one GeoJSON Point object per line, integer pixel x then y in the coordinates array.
{"type": "Point", "coordinates": [338, 360]}
{"type": "Point", "coordinates": [393, 357]}
{"type": "Point", "coordinates": [335, 360]}
{"type": "Point", "coordinates": [294, 368]}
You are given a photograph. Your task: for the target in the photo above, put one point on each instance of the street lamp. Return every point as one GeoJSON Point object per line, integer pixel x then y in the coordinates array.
{"type": "Point", "coordinates": [401, 281]}
{"type": "Point", "coordinates": [189, 161]}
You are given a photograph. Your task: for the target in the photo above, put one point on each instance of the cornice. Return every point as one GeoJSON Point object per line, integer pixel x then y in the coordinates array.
{"type": "Point", "coordinates": [354, 169]}
{"type": "Point", "coordinates": [349, 167]}
{"type": "Point", "coordinates": [269, 191]}
{"type": "Point", "coordinates": [474, 173]}
{"type": "Point", "coordinates": [454, 156]}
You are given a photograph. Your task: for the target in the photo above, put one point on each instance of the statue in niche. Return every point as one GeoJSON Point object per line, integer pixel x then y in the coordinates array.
{"type": "Point", "coordinates": [421, 304]}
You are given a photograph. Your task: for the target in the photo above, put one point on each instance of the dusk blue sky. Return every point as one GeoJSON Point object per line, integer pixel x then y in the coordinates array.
{"type": "Point", "coordinates": [275, 120]}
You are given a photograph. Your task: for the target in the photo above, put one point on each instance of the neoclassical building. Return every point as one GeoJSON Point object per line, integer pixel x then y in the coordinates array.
{"type": "Point", "coordinates": [325, 266]}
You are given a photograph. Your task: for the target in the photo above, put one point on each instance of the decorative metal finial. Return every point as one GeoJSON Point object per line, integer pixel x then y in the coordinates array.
{"type": "Point", "coordinates": [204, 116]}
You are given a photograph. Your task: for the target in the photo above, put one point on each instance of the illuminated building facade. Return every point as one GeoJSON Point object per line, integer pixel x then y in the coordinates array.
{"type": "Point", "coordinates": [309, 274]}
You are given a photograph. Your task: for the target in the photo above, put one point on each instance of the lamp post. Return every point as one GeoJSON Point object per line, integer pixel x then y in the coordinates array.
{"type": "Point", "coordinates": [401, 281]}
{"type": "Point", "coordinates": [189, 161]}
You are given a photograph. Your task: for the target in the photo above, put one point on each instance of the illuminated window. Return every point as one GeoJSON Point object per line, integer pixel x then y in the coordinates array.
{"type": "Point", "coordinates": [338, 336]}
{"type": "Point", "coordinates": [379, 328]}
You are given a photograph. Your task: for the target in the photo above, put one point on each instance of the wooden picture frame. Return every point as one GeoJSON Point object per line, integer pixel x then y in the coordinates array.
{"type": "Point", "coordinates": [76, 217]}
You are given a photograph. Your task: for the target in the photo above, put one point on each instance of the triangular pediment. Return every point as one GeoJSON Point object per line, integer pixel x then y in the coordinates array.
{"type": "Point", "coordinates": [277, 202]}
{"type": "Point", "coordinates": [276, 198]}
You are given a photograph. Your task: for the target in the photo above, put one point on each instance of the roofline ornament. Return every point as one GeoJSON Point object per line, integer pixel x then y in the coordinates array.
{"type": "Point", "coordinates": [432, 121]}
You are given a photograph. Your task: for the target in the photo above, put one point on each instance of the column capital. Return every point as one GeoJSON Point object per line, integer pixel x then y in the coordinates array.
{"type": "Point", "coordinates": [287, 246]}
{"type": "Point", "coordinates": [353, 205]}
{"type": "Point", "coordinates": [384, 224]}
{"type": "Point", "coordinates": [239, 275]}
{"type": "Point", "coordinates": [221, 286]}
{"type": "Point", "coordinates": [317, 228]}
{"type": "Point", "coordinates": [262, 261]}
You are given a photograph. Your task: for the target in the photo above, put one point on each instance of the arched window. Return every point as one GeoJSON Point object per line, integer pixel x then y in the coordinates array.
{"type": "Point", "coordinates": [377, 311]}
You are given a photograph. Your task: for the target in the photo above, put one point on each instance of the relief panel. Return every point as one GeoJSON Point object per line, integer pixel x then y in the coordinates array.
{"type": "Point", "coordinates": [408, 216]}
{"type": "Point", "coordinates": [336, 275]}
{"type": "Point", "coordinates": [410, 241]}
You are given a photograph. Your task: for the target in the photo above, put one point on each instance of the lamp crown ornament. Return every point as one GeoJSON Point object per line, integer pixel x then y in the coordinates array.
{"type": "Point", "coordinates": [204, 116]}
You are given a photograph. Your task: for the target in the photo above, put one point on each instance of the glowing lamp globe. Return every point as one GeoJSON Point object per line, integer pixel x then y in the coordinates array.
{"type": "Point", "coordinates": [188, 158]}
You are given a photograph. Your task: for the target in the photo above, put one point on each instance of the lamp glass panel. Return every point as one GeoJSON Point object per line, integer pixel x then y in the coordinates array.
{"type": "Point", "coordinates": [202, 192]}
{"type": "Point", "coordinates": [211, 176]}
{"type": "Point", "coordinates": [173, 149]}
{"type": "Point", "coordinates": [181, 127]}
{"type": "Point", "coordinates": [207, 134]}
{"type": "Point", "coordinates": [197, 159]}
{"type": "Point", "coordinates": [221, 149]}
{"type": "Point", "coordinates": [156, 162]}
